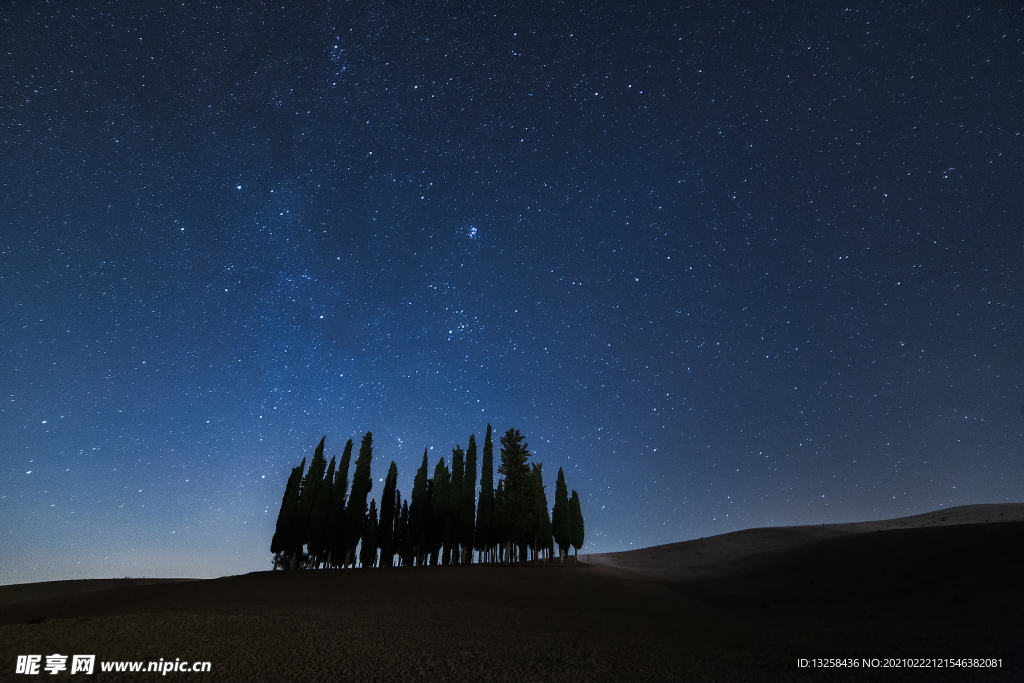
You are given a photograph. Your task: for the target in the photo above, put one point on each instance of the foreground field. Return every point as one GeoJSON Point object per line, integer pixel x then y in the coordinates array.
{"type": "Point", "coordinates": [912, 590]}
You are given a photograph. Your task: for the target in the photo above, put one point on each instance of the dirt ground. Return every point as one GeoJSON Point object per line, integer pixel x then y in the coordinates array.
{"type": "Point", "coordinates": [945, 591]}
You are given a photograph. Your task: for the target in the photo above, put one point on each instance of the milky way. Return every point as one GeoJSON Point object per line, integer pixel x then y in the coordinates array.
{"type": "Point", "coordinates": [728, 266]}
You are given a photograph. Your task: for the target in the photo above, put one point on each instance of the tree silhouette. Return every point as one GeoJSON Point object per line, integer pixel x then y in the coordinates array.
{"type": "Point", "coordinates": [319, 523]}
{"type": "Point", "coordinates": [518, 501]}
{"type": "Point", "coordinates": [355, 512]}
{"type": "Point", "coordinates": [337, 517]}
{"type": "Point", "coordinates": [576, 523]}
{"type": "Point", "coordinates": [540, 521]}
{"type": "Point", "coordinates": [396, 530]}
{"type": "Point", "coordinates": [560, 526]}
{"type": "Point", "coordinates": [310, 489]}
{"type": "Point", "coordinates": [286, 534]}
{"type": "Point", "coordinates": [431, 550]}
{"type": "Point", "coordinates": [368, 549]}
{"type": "Point", "coordinates": [419, 514]}
{"type": "Point", "coordinates": [467, 504]}
{"type": "Point", "coordinates": [500, 524]}
{"type": "Point", "coordinates": [439, 510]}
{"type": "Point", "coordinates": [406, 549]}
{"type": "Point", "coordinates": [454, 526]}
{"type": "Point", "coordinates": [386, 531]}
{"type": "Point", "coordinates": [443, 522]}
{"type": "Point", "coordinates": [485, 506]}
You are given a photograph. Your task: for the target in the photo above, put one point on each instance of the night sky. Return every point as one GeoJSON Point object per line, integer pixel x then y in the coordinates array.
{"type": "Point", "coordinates": [728, 266]}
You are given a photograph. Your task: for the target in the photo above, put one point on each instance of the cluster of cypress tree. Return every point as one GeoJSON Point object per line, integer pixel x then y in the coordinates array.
{"type": "Point", "coordinates": [325, 522]}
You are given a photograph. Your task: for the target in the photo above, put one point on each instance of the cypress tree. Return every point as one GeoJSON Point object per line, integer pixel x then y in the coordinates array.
{"type": "Point", "coordinates": [514, 454]}
{"type": "Point", "coordinates": [396, 528]}
{"type": "Point", "coordinates": [531, 522]}
{"type": "Point", "coordinates": [419, 514]}
{"type": "Point", "coordinates": [499, 524]}
{"type": "Point", "coordinates": [429, 549]}
{"type": "Point", "coordinates": [385, 534]}
{"type": "Point", "coordinates": [337, 518]}
{"type": "Point", "coordinates": [439, 499]}
{"type": "Point", "coordinates": [485, 506]}
{"type": "Point", "coordinates": [466, 508]}
{"type": "Point", "coordinates": [575, 523]}
{"type": "Point", "coordinates": [319, 522]}
{"type": "Point", "coordinates": [454, 530]}
{"type": "Point", "coordinates": [518, 493]}
{"type": "Point", "coordinates": [541, 521]}
{"type": "Point", "coordinates": [310, 489]}
{"type": "Point", "coordinates": [405, 543]}
{"type": "Point", "coordinates": [315, 511]}
{"type": "Point", "coordinates": [282, 543]}
{"type": "Point", "coordinates": [355, 512]}
{"type": "Point", "coordinates": [560, 517]}
{"type": "Point", "coordinates": [368, 550]}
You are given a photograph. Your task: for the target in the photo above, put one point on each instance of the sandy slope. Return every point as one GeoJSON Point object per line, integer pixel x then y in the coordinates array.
{"type": "Point", "coordinates": [735, 551]}
{"type": "Point", "coordinates": [757, 601]}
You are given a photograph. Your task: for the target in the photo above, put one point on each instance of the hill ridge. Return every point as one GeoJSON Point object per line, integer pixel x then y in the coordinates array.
{"type": "Point", "coordinates": [733, 550]}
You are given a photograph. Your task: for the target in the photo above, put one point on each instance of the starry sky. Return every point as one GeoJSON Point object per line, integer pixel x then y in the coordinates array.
{"type": "Point", "coordinates": [729, 264]}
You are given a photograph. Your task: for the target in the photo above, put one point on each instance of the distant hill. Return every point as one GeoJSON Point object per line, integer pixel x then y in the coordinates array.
{"type": "Point", "coordinates": [728, 553]}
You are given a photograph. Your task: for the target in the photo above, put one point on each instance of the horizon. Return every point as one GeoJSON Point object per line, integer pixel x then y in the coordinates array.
{"type": "Point", "coordinates": [582, 554]}
{"type": "Point", "coordinates": [729, 267]}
